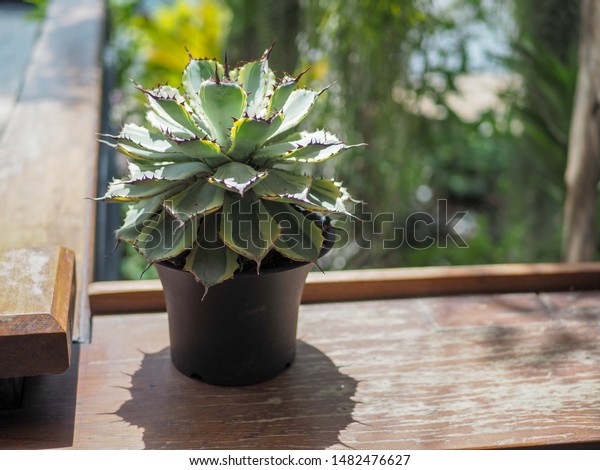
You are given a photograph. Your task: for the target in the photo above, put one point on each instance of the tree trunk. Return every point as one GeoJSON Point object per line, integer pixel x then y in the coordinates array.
{"type": "Point", "coordinates": [583, 164]}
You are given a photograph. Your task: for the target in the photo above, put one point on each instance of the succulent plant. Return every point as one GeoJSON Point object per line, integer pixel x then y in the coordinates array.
{"type": "Point", "coordinates": [216, 179]}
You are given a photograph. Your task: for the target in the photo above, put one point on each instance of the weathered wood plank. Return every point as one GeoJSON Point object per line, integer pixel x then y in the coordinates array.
{"type": "Point", "coordinates": [48, 149]}
{"type": "Point", "coordinates": [145, 296]}
{"type": "Point", "coordinates": [507, 370]}
{"type": "Point", "coordinates": [37, 291]}
{"type": "Point", "coordinates": [18, 34]}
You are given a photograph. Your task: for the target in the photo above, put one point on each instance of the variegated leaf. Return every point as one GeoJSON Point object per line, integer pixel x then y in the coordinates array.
{"type": "Point", "coordinates": [138, 213]}
{"type": "Point", "coordinates": [246, 227]}
{"type": "Point", "coordinates": [171, 117]}
{"type": "Point", "coordinates": [122, 191]}
{"type": "Point", "coordinates": [222, 102]}
{"type": "Point", "coordinates": [258, 82]}
{"type": "Point", "coordinates": [171, 172]}
{"type": "Point", "coordinates": [165, 237]}
{"type": "Point", "coordinates": [316, 194]}
{"type": "Point", "coordinates": [138, 153]}
{"type": "Point", "coordinates": [326, 195]}
{"type": "Point", "coordinates": [300, 238]}
{"type": "Point", "coordinates": [235, 176]}
{"type": "Point", "coordinates": [303, 147]}
{"type": "Point", "coordinates": [280, 185]}
{"type": "Point", "coordinates": [199, 70]}
{"type": "Point", "coordinates": [211, 262]}
{"type": "Point", "coordinates": [296, 109]}
{"type": "Point", "coordinates": [204, 150]}
{"type": "Point", "coordinates": [281, 94]}
{"type": "Point", "coordinates": [198, 199]}
{"type": "Point", "coordinates": [249, 134]}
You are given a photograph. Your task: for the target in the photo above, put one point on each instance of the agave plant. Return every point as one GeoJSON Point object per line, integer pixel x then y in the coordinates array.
{"type": "Point", "coordinates": [215, 179]}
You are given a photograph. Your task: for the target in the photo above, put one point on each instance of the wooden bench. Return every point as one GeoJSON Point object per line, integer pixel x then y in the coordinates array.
{"type": "Point", "coordinates": [467, 370]}
{"type": "Point", "coordinates": [48, 162]}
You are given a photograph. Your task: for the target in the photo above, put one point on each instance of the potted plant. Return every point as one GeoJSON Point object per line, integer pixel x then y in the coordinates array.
{"type": "Point", "coordinates": [219, 201]}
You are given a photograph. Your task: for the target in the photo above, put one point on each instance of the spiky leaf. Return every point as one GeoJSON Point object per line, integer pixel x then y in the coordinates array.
{"type": "Point", "coordinates": [204, 150]}
{"type": "Point", "coordinates": [198, 71]}
{"type": "Point", "coordinates": [258, 82]}
{"type": "Point", "coordinates": [246, 227]}
{"type": "Point", "coordinates": [170, 117]}
{"type": "Point", "coordinates": [326, 195]}
{"type": "Point", "coordinates": [200, 198]}
{"type": "Point", "coordinates": [211, 261]}
{"type": "Point", "coordinates": [283, 186]}
{"type": "Point", "coordinates": [296, 109]}
{"type": "Point", "coordinates": [249, 134]}
{"type": "Point", "coordinates": [300, 238]}
{"type": "Point", "coordinates": [170, 172]}
{"type": "Point", "coordinates": [235, 176]}
{"type": "Point", "coordinates": [137, 214]}
{"type": "Point", "coordinates": [122, 191]}
{"type": "Point", "coordinates": [316, 194]}
{"type": "Point", "coordinates": [281, 94]}
{"type": "Point", "coordinates": [165, 237]}
{"type": "Point", "coordinates": [222, 103]}
{"type": "Point", "coordinates": [304, 147]}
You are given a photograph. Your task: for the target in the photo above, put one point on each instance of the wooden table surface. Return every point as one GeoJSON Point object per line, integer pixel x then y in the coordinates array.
{"type": "Point", "coordinates": [486, 371]}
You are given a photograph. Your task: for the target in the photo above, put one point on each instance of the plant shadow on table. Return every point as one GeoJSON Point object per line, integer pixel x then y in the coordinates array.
{"type": "Point", "coordinates": [304, 408]}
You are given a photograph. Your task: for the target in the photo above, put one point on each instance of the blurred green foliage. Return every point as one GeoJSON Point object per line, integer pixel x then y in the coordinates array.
{"type": "Point", "coordinates": [399, 73]}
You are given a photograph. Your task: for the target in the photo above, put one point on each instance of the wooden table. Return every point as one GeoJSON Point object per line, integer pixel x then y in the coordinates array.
{"type": "Point", "coordinates": [470, 371]}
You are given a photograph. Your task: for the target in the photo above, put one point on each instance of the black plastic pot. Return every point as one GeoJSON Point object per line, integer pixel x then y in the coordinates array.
{"type": "Point", "coordinates": [243, 332]}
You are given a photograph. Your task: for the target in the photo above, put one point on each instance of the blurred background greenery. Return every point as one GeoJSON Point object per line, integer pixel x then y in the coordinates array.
{"type": "Point", "coordinates": [465, 101]}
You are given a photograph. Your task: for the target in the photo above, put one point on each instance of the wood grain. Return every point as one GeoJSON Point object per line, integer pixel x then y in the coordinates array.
{"type": "Point", "coordinates": [480, 371]}
{"type": "Point", "coordinates": [37, 292]}
{"type": "Point", "coordinates": [146, 295]}
{"type": "Point", "coordinates": [48, 151]}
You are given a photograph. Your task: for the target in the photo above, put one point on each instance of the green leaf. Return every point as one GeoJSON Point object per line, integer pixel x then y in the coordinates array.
{"type": "Point", "coordinates": [258, 82]}
{"type": "Point", "coordinates": [222, 103]}
{"type": "Point", "coordinates": [300, 239]}
{"type": "Point", "coordinates": [281, 94]}
{"type": "Point", "coordinates": [236, 177]}
{"type": "Point", "coordinates": [124, 191]}
{"type": "Point", "coordinates": [137, 214]}
{"type": "Point", "coordinates": [246, 227]}
{"type": "Point", "coordinates": [197, 71]}
{"type": "Point", "coordinates": [140, 154]}
{"type": "Point", "coordinates": [170, 172]}
{"type": "Point", "coordinates": [170, 117]}
{"type": "Point", "coordinates": [282, 186]}
{"type": "Point", "coordinates": [248, 134]}
{"type": "Point", "coordinates": [316, 194]}
{"type": "Point", "coordinates": [200, 198]}
{"type": "Point", "coordinates": [144, 145]}
{"type": "Point", "coordinates": [205, 150]}
{"type": "Point", "coordinates": [165, 237]}
{"type": "Point", "coordinates": [303, 147]}
{"type": "Point", "coordinates": [296, 109]}
{"type": "Point", "coordinates": [211, 262]}
{"type": "Point", "coordinates": [132, 133]}
{"type": "Point", "coordinates": [327, 196]}
{"type": "Point", "coordinates": [316, 153]}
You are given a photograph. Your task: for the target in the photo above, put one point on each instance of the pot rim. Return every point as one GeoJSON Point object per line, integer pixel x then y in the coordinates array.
{"type": "Point", "coordinates": [263, 272]}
